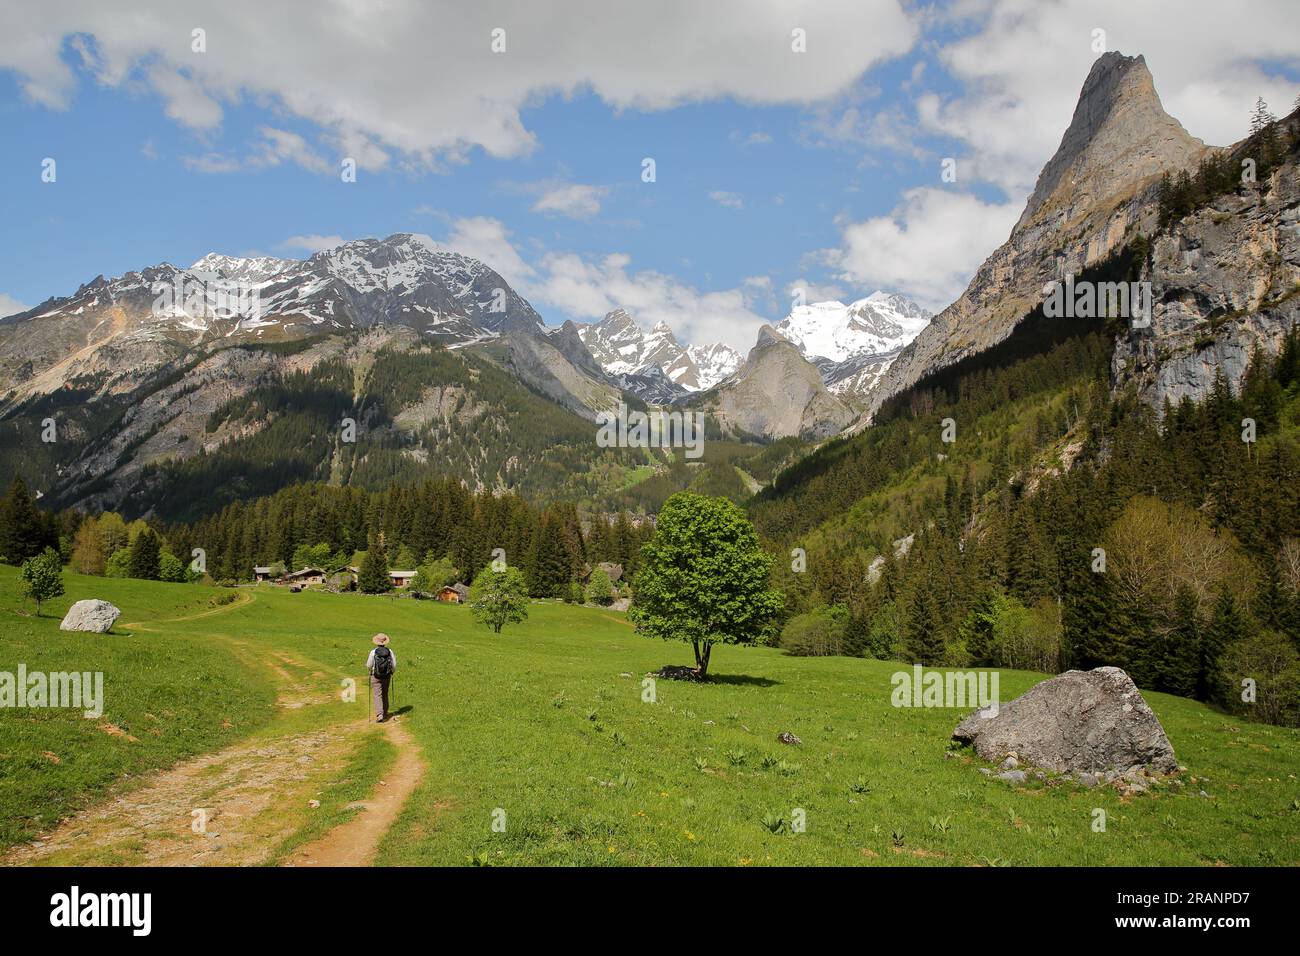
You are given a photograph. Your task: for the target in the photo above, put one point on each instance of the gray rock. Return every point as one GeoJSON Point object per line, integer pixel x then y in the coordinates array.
{"type": "Point", "coordinates": [1088, 780]}
{"type": "Point", "coordinates": [1011, 763]}
{"type": "Point", "coordinates": [1080, 720]}
{"type": "Point", "coordinates": [788, 738]}
{"type": "Point", "coordinates": [1012, 776]}
{"type": "Point", "coordinates": [92, 615]}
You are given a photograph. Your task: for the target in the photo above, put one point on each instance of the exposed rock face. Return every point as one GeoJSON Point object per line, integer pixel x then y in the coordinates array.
{"type": "Point", "coordinates": [92, 615]}
{"type": "Point", "coordinates": [1097, 189]}
{"type": "Point", "coordinates": [543, 366]}
{"type": "Point", "coordinates": [1223, 283]}
{"type": "Point", "coordinates": [1080, 721]}
{"type": "Point", "coordinates": [777, 392]}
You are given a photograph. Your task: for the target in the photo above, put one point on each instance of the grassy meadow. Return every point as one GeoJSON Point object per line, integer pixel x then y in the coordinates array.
{"type": "Point", "coordinates": [543, 731]}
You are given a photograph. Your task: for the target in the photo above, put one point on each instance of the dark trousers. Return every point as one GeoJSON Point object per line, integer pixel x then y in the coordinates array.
{"type": "Point", "coordinates": [379, 695]}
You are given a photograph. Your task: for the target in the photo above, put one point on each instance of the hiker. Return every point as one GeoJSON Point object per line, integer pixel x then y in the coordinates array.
{"type": "Point", "coordinates": [381, 664]}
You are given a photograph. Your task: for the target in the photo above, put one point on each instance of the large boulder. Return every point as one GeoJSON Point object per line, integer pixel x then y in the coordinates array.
{"type": "Point", "coordinates": [92, 615]}
{"type": "Point", "coordinates": [1080, 721]}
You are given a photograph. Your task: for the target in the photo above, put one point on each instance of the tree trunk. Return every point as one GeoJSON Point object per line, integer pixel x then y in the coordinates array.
{"type": "Point", "coordinates": [704, 663]}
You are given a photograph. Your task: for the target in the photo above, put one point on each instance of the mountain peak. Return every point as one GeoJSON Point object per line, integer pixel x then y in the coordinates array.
{"type": "Point", "coordinates": [1119, 135]}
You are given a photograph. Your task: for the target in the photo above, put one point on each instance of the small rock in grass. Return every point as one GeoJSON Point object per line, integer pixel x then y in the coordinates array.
{"type": "Point", "coordinates": [788, 738]}
{"type": "Point", "coordinates": [985, 770]}
{"type": "Point", "coordinates": [314, 804]}
{"type": "Point", "coordinates": [1011, 763]}
{"type": "Point", "coordinates": [1012, 776]}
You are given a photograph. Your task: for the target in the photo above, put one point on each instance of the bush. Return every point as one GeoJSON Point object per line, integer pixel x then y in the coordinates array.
{"type": "Point", "coordinates": [600, 590]}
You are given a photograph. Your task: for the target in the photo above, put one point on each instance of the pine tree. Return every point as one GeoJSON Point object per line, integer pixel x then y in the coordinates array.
{"type": "Point", "coordinates": [922, 634]}
{"type": "Point", "coordinates": [1179, 666]}
{"type": "Point", "coordinates": [145, 557]}
{"type": "Point", "coordinates": [1228, 625]}
{"type": "Point", "coordinates": [23, 532]}
{"type": "Point", "coordinates": [372, 576]}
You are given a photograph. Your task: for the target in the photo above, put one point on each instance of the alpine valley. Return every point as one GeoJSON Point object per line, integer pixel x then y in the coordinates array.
{"type": "Point", "coordinates": [158, 402]}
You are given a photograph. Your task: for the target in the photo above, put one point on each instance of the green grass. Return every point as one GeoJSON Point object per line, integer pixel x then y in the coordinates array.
{"type": "Point", "coordinates": [538, 723]}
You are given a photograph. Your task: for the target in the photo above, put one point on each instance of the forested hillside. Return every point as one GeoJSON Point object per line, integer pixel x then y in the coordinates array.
{"type": "Point", "coordinates": [1063, 527]}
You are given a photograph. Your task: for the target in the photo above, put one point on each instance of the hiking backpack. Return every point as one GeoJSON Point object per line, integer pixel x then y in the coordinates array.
{"type": "Point", "coordinates": [383, 666]}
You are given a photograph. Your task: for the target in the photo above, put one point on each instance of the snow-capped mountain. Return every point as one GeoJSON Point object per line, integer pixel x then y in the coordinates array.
{"type": "Point", "coordinates": [714, 362]}
{"type": "Point", "coordinates": [623, 348]}
{"type": "Point", "coordinates": [852, 345]}
{"type": "Point", "coordinates": [882, 322]}
{"type": "Point", "coordinates": [402, 280]}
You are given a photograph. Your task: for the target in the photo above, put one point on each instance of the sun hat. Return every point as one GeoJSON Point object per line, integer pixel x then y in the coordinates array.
{"type": "Point", "coordinates": [380, 639]}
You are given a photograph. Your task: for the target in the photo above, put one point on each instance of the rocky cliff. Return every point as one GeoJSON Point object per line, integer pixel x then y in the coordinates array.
{"type": "Point", "coordinates": [1096, 193]}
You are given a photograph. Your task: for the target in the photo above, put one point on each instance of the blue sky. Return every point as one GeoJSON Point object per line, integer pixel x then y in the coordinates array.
{"type": "Point", "coordinates": [773, 170]}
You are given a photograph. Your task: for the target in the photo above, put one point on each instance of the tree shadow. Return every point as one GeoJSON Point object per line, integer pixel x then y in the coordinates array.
{"type": "Point", "coordinates": [741, 680]}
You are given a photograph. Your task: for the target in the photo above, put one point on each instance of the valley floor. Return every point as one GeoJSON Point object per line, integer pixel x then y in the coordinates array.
{"type": "Point", "coordinates": [536, 746]}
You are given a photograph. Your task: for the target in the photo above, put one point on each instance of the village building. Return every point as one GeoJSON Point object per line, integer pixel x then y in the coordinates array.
{"type": "Point", "coordinates": [454, 594]}
{"type": "Point", "coordinates": [305, 576]}
{"type": "Point", "coordinates": [613, 571]}
{"type": "Point", "coordinates": [262, 574]}
{"type": "Point", "coordinates": [401, 579]}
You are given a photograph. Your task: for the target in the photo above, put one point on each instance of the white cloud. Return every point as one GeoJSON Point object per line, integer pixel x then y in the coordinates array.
{"type": "Point", "coordinates": [312, 243]}
{"type": "Point", "coordinates": [815, 292]}
{"type": "Point", "coordinates": [282, 146]}
{"type": "Point", "coordinates": [928, 247]}
{"type": "Point", "coordinates": [365, 72]}
{"type": "Point", "coordinates": [10, 306]}
{"type": "Point", "coordinates": [730, 200]}
{"type": "Point", "coordinates": [488, 240]}
{"type": "Point", "coordinates": [212, 163]}
{"type": "Point", "coordinates": [586, 288]}
{"type": "Point", "coordinates": [574, 200]}
{"type": "Point", "coordinates": [1023, 68]}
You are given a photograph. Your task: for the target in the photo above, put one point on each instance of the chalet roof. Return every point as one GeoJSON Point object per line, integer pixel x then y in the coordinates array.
{"type": "Point", "coordinates": [401, 574]}
{"type": "Point", "coordinates": [301, 572]}
{"type": "Point", "coordinates": [260, 570]}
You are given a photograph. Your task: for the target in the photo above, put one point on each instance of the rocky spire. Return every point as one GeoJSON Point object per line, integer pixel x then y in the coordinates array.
{"type": "Point", "coordinates": [1120, 134]}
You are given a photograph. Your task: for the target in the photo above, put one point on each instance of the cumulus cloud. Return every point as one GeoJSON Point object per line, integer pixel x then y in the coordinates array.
{"type": "Point", "coordinates": [312, 244]}
{"type": "Point", "coordinates": [488, 240]}
{"type": "Point", "coordinates": [365, 74]}
{"type": "Point", "coordinates": [574, 200]}
{"type": "Point", "coordinates": [803, 290]}
{"type": "Point", "coordinates": [587, 288]}
{"type": "Point", "coordinates": [282, 146]}
{"type": "Point", "coordinates": [1022, 69]}
{"type": "Point", "coordinates": [928, 247]}
{"type": "Point", "coordinates": [10, 306]}
{"type": "Point", "coordinates": [724, 198]}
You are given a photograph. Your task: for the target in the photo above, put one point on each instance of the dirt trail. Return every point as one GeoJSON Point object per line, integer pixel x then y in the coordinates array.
{"type": "Point", "coordinates": [234, 807]}
{"type": "Point", "coordinates": [356, 842]}
{"type": "Point", "coordinates": [222, 809]}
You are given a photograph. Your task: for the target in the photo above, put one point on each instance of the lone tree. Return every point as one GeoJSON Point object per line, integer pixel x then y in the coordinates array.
{"type": "Point", "coordinates": [703, 578]}
{"type": "Point", "coordinates": [42, 577]}
{"type": "Point", "coordinates": [498, 598]}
